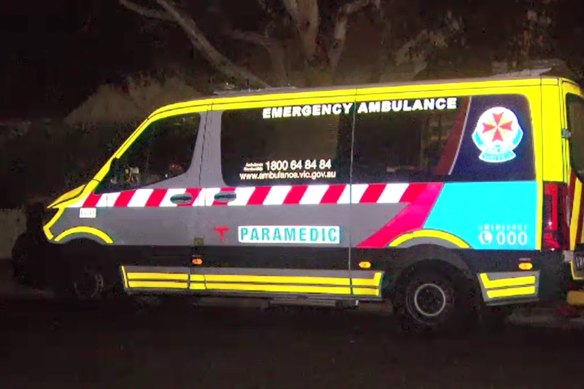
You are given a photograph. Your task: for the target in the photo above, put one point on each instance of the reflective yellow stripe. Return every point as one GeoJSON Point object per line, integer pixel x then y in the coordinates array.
{"type": "Point", "coordinates": [375, 281]}
{"type": "Point", "coordinates": [157, 284]}
{"type": "Point", "coordinates": [51, 223]}
{"type": "Point", "coordinates": [452, 88]}
{"type": "Point", "coordinates": [258, 283]}
{"type": "Point", "coordinates": [267, 101]}
{"type": "Point", "coordinates": [74, 193]}
{"type": "Point", "coordinates": [280, 288]}
{"type": "Point", "coordinates": [158, 276]}
{"type": "Point", "coordinates": [430, 234]}
{"type": "Point", "coordinates": [276, 279]}
{"type": "Point", "coordinates": [504, 282]}
{"type": "Point", "coordinates": [341, 281]}
{"type": "Point", "coordinates": [125, 276]}
{"type": "Point", "coordinates": [366, 292]}
{"type": "Point", "coordinates": [85, 230]}
{"type": "Point", "coordinates": [576, 204]}
{"type": "Point", "coordinates": [296, 97]}
{"type": "Point", "coordinates": [575, 297]}
{"type": "Point", "coordinates": [511, 292]}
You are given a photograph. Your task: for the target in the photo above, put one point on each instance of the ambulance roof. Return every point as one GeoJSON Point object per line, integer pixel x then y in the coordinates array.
{"type": "Point", "coordinates": [523, 78]}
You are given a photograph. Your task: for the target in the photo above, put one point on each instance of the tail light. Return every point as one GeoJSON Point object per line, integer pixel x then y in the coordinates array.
{"type": "Point", "coordinates": [556, 235]}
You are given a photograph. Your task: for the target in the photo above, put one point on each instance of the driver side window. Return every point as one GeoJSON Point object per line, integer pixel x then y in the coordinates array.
{"type": "Point", "coordinates": [164, 150]}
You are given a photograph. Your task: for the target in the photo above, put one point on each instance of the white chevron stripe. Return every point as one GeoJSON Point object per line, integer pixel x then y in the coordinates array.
{"type": "Point", "coordinates": [242, 196]}
{"type": "Point", "coordinates": [313, 194]}
{"type": "Point", "coordinates": [140, 198]}
{"type": "Point", "coordinates": [108, 200]}
{"type": "Point", "coordinates": [345, 196]}
{"type": "Point", "coordinates": [392, 193]}
{"type": "Point", "coordinates": [357, 191]}
{"type": "Point", "coordinates": [277, 194]}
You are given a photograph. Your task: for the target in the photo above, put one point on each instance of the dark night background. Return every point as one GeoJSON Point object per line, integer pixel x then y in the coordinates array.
{"type": "Point", "coordinates": [55, 54]}
{"type": "Point", "coordinates": [77, 75]}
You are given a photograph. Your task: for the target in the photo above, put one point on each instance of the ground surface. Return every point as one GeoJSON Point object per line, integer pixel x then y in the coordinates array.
{"type": "Point", "coordinates": [49, 345]}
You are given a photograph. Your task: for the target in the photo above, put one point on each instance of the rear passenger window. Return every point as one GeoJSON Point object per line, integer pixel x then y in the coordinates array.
{"type": "Point", "coordinates": [443, 139]}
{"type": "Point", "coordinates": [286, 145]}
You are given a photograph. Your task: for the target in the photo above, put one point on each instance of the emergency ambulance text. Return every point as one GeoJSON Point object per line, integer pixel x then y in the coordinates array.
{"type": "Point", "coordinates": [441, 103]}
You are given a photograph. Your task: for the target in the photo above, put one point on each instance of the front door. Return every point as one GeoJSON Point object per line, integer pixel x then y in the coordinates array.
{"type": "Point", "coordinates": [148, 204]}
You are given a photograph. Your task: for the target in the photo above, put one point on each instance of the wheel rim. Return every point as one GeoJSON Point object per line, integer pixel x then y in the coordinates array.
{"type": "Point", "coordinates": [430, 300]}
{"type": "Point", "coordinates": [88, 284]}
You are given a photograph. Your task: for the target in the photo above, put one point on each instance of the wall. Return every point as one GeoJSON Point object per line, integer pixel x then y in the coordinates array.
{"type": "Point", "coordinates": [12, 224]}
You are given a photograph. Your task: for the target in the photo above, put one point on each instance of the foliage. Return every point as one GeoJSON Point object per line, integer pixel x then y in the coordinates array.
{"type": "Point", "coordinates": [305, 42]}
{"type": "Point", "coordinates": [318, 42]}
{"type": "Point", "coordinates": [131, 102]}
{"type": "Point", "coordinates": [52, 157]}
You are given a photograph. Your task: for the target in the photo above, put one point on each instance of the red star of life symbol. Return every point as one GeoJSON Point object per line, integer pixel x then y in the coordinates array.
{"type": "Point", "coordinates": [221, 230]}
{"type": "Point", "coordinates": [498, 127]}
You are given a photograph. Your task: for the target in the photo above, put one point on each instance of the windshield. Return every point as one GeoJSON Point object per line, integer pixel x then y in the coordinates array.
{"type": "Point", "coordinates": [576, 127]}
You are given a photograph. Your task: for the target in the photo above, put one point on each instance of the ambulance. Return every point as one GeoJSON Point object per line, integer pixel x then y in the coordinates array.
{"type": "Point", "coordinates": [439, 196]}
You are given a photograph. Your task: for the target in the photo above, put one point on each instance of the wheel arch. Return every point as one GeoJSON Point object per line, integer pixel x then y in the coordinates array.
{"type": "Point", "coordinates": [84, 233]}
{"type": "Point", "coordinates": [429, 257]}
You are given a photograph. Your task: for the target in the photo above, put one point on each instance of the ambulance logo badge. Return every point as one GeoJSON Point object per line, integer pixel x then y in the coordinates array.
{"type": "Point", "coordinates": [497, 134]}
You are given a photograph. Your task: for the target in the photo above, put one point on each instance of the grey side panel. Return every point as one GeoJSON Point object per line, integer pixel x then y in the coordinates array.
{"type": "Point", "coordinates": [211, 158]}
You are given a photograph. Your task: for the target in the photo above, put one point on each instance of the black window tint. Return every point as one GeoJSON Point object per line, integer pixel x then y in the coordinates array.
{"type": "Point", "coordinates": [293, 150]}
{"type": "Point", "coordinates": [576, 127]}
{"type": "Point", "coordinates": [163, 150]}
{"type": "Point", "coordinates": [398, 146]}
{"type": "Point", "coordinates": [479, 138]}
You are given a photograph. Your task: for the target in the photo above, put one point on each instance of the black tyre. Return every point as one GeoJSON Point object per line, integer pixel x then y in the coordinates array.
{"type": "Point", "coordinates": [83, 275]}
{"type": "Point", "coordinates": [431, 301]}
{"type": "Point", "coordinates": [87, 282]}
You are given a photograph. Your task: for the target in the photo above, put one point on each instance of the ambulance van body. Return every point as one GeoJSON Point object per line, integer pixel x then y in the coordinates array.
{"type": "Point", "coordinates": [435, 195]}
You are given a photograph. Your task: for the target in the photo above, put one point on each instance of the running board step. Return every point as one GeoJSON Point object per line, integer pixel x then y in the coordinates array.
{"type": "Point", "coordinates": [313, 302]}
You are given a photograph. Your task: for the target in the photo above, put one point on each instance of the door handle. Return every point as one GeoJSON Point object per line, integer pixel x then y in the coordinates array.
{"type": "Point", "coordinates": [183, 198]}
{"type": "Point", "coordinates": [225, 196]}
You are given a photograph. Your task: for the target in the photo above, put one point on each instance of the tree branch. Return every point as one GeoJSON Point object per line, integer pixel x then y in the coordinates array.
{"type": "Point", "coordinates": [292, 8]}
{"type": "Point", "coordinates": [340, 29]}
{"type": "Point", "coordinates": [202, 44]}
{"type": "Point", "coordinates": [274, 49]}
{"type": "Point", "coordinates": [304, 14]}
{"type": "Point", "coordinates": [148, 12]}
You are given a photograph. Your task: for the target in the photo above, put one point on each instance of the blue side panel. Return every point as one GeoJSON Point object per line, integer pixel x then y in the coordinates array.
{"type": "Point", "coordinates": [488, 215]}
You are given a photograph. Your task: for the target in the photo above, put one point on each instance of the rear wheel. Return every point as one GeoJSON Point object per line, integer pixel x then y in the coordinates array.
{"type": "Point", "coordinates": [430, 300]}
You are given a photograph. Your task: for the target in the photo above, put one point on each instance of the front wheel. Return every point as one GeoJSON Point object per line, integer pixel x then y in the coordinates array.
{"type": "Point", "coordinates": [84, 274]}
{"type": "Point", "coordinates": [431, 301]}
